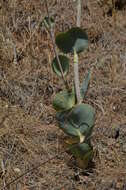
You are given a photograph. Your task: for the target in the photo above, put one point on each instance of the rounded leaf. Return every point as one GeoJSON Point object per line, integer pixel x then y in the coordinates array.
{"type": "Point", "coordinates": [83, 154]}
{"type": "Point", "coordinates": [75, 38]}
{"type": "Point", "coordinates": [84, 162]}
{"type": "Point", "coordinates": [77, 122]}
{"type": "Point", "coordinates": [64, 61]}
{"type": "Point", "coordinates": [64, 100]}
{"type": "Point", "coordinates": [80, 150]}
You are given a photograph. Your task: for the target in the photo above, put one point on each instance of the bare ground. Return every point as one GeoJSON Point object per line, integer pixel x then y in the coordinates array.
{"type": "Point", "coordinates": [29, 135]}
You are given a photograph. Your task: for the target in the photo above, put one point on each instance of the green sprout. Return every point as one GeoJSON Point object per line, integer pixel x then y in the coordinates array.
{"type": "Point", "coordinates": [75, 118]}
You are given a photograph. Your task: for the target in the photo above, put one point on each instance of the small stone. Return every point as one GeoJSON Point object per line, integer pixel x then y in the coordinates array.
{"type": "Point", "coordinates": [17, 170]}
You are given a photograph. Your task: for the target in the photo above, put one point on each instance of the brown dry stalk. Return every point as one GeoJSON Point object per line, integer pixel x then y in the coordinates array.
{"type": "Point", "coordinates": [54, 47]}
{"type": "Point", "coordinates": [114, 13]}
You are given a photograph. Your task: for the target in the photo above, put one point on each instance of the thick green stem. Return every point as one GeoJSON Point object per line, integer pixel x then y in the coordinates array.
{"type": "Point", "coordinates": [76, 78]}
{"type": "Point", "coordinates": [76, 70]}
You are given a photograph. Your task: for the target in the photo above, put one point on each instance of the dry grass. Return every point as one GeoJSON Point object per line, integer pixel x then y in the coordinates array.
{"type": "Point", "coordinates": [28, 131]}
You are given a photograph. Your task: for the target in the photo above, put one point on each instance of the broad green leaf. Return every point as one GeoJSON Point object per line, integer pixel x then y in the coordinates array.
{"type": "Point", "coordinates": [83, 153]}
{"type": "Point", "coordinates": [85, 160]}
{"type": "Point", "coordinates": [85, 84]}
{"type": "Point", "coordinates": [64, 61]}
{"type": "Point", "coordinates": [80, 150]}
{"type": "Point", "coordinates": [78, 121]}
{"type": "Point", "coordinates": [64, 100]}
{"type": "Point", "coordinates": [75, 38]}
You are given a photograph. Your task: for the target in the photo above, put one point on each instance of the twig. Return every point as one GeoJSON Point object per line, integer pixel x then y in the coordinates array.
{"type": "Point", "coordinates": [54, 47]}
{"type": "Point", "coordinates": [39, 165]}
{"type": "Point", "coordinates": [34, 168]}
{"type": "Point", "coordinates": [28, 171]}
{"type": "Point", "coordinates": [15, 54]}
{"type": "Point", "coordinates": [3, 172]}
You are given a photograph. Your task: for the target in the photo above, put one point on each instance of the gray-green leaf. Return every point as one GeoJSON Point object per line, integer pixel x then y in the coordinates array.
{"type": "Point", "coordinates": [64, 100]}
{"type": "Point", "coordinates": [64, 61]}
{"type": "Point", "coordinates": [75, 38]}
{"type": "Point", "coordinates": [85, 84]}
{"type": "Point", "coordinates": [78, 121]}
